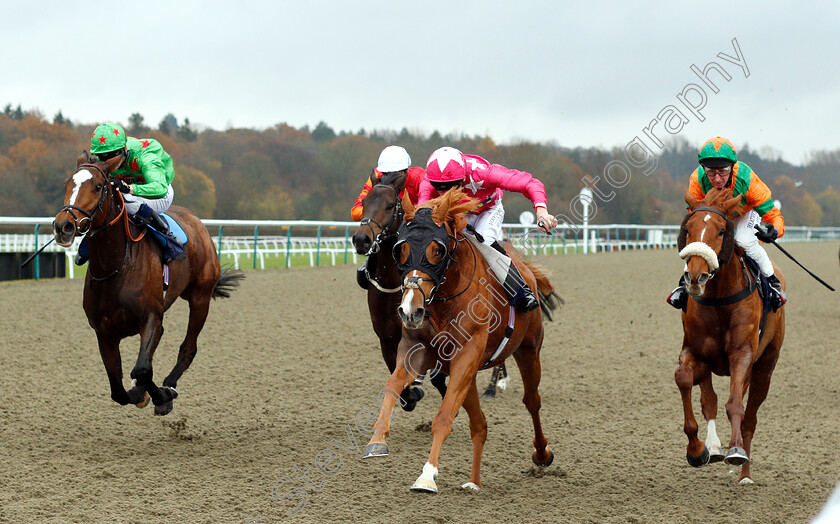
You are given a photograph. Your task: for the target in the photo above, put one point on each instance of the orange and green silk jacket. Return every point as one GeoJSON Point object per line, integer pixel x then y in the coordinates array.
{"type": "Point", "coordinates": [412, 185]}
{"type": "Point", "coordinates": [744, 182]}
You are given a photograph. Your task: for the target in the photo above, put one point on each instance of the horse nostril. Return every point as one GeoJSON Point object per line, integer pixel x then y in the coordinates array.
{"type": "Point", "coordinates": [418, 313]}
{"type": "Point", "coordinates": [67, 228]}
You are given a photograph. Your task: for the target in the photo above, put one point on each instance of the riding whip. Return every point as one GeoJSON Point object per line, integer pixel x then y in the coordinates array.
{"type": "Point", "coordinates": [35, 254]}
{"type": "Point", "coordinates": [821, 281]}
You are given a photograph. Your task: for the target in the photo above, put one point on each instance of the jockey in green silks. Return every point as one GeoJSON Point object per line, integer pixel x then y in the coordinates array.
{"type": "Point", "coordinates": [144, 176]}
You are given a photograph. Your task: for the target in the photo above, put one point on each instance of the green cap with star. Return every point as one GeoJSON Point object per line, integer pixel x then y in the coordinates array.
{"type": "Point", "coordinates": [107, 137]}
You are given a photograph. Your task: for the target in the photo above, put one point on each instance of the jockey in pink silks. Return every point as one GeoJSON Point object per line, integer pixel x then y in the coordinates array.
{"type": "Point", "coordinates": [448, 168]}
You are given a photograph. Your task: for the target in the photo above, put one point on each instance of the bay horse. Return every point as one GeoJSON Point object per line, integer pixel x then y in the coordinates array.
{"type": "Point", "coordinates": [722, 335]}
{"type": "Point", "coordinates": [471, 326]}
{"type": "Point", "coordinates": [124, 285]}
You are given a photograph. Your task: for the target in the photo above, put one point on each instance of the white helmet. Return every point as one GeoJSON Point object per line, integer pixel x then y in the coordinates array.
{"type": "Point", "coordinates": [393, 158]}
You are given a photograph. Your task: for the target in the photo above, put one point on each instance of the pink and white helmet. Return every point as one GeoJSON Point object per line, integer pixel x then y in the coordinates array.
{"type": "Point", "coordinates": [446, 165]}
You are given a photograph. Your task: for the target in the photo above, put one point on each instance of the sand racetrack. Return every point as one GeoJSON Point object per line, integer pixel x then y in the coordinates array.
{"type": "Point", "coordinates": [286, 364]}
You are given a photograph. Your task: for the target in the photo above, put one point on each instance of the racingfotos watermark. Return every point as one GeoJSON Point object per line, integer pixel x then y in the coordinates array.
{"type": "Point", "coordinates": [670, 120]}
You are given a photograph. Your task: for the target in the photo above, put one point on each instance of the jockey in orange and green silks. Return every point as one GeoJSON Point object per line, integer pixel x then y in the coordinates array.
{"type": "Point", "coordinates": [720, 168]}
{"type": "Point", "coordinates": [145, 175]}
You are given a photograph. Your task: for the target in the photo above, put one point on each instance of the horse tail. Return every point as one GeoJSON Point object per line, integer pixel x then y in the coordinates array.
{"type": "Point", "coordinates": [549, 299]}
{"type": "Point", "coordinates": [228, 281]}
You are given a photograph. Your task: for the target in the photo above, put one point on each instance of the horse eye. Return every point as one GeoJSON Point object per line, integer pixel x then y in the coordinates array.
{"type": "Point", "coordinates": [390, 207]}
{"type": "Point", "coordinates": [722, 231]}
{"type": "Point", "coordinates": [98, 188]}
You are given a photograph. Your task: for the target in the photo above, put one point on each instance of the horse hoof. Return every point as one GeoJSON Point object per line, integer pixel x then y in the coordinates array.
{"type": "Point", "coordinates": [745, 481]}
{"type": "Point", "coordinates": [547, 462]}
{"type": "Point", "coordinates": [736, 457]}
{"type": "Point", "coordinates": [376, 449]}
{"type": "Point", "coordinates": [417, 392]}
{"type": "Point", "coordinates": [470, 485]}
{"type": "Point", "coordinates": [172, 392]}
{"type": "Point", "coordinates": [145, 402]}
{"type": "Point", "coordinates": [489, 393]}
{"type": "Point", "coordinates": [715, 454]}
{"type": "Point", "coordinates": [163, 409]}
{"type": "Point", "coordinates": [422, 485]}
{"type": "Point", "coordinates": [702, 460]}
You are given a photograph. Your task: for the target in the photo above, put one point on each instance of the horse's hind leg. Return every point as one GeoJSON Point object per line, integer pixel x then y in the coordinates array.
{"type": "Point", "coordinates": [530, 369]}
{"type": "Point", "coordinates": [199, 308]}
{"type": "Point", "coordinates": [709, 404]}
{"type": "Point", "coordinates": [759, 385]}
{"type": "Point", "coordinates": [110, 352]}
{"type": "Point", "coordinates": [478, 432]}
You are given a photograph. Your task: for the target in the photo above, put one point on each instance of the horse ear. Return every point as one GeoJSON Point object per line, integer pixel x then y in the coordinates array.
{"type": "Point", "coordinates": [408, 207]}
{"type": "Point", "coordinates": [442, 209]}
{"type": "Point", "coordinates": [84, 158]}
{"type": "Point", "coordinates": [373, 178]}
{"type": "Point", "coordinates": [399, 183]}
{"type": "Point", "coordinates": [733, 206]}
{"type": "Point", "coordinates": [692, 203]}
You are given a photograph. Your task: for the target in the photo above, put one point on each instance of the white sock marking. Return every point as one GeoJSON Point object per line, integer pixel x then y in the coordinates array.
{"type": "Point", "coordinates": [711, 434]}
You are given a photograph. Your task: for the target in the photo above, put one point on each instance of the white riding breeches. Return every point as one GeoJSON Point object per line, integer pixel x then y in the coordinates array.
{"type": "Point", "coordinates": [158, 205]}
{"type": "Point", "coordinates": [745, 237]}
{"type": "Point", "coordinates": [488, 223]}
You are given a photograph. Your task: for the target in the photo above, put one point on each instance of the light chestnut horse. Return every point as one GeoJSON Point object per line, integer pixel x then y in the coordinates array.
{"type": "Point", "coordinates": [721, 325]}
{"type": "Point", "coordinates": [457, 319]}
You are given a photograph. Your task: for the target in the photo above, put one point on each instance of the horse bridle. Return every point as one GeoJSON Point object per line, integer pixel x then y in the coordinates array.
{"type": "Point", "coordinates": [77, 221]}
{"type": "Point", "coordinates": [717, 212]}
{"type": "Point", "coordinates": [384, 232]}
{"type": "Point", "coordinates": [414, 282]}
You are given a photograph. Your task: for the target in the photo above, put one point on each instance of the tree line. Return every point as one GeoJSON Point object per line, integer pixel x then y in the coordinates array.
{"type": "Point", "coordinates": [285, 172]}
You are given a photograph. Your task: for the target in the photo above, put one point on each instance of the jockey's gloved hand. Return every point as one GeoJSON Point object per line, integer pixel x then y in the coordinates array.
{"type": "Point", "coordinates": [766, 232]}
{"type": "Point", "coordinates": [120, 186]}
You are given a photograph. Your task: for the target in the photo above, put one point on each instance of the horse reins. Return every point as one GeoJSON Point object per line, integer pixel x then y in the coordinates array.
{"type": "Point", "coordinates": [89, 216]}
{"type": "Point", "coordinates": [384, 232]}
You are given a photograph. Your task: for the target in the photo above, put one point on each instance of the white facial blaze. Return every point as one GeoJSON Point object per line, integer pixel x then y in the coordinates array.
{"type": "Point", "coordinates": [79, 178]}
{"type": "Point", "coordinates": [702, 234]}
{"type": "Point", "coordinates": [406, 307]}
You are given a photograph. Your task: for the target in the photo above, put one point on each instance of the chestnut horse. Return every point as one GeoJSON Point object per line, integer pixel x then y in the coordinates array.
{"type": "Point", "coordinates": [470, 327]}
{"type": "Point", "coordinates": [124, 289]}
{"type": "Point", "coordinates": [375, 238]}
{"type": "Point", "coordinates": [721, 324]}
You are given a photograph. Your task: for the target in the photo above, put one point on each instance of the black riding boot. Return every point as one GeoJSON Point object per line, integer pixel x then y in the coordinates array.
{"type": "Point", "coordinates": [174, 249]}
{"type": "Point", "coordinates": [778, 297]}
{"type": "Point", "coordinates": [515, 286]}
{"type": "Point", "coordinates": [361, 276]}
{"type": "Point", "coordinates": [679, 296]}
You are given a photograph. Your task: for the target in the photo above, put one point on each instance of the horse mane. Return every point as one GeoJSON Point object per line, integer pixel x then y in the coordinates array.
{"type": "Point", "coordinates": [451, 208]}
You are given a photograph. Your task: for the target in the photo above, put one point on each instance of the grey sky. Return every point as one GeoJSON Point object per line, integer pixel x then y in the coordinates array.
{"type": "Point", "coordinates": [577, 73]}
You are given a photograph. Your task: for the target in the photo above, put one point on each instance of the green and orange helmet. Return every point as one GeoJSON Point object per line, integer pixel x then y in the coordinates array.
{"type": "Point", "coordinates": [106, 138]}
{"type": "Point", "coordinates": [717, 152]}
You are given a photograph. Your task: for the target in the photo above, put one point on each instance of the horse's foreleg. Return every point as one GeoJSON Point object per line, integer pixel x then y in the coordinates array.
{"type": "Point", "coordinates": [399, 379]}
{"type": "Point", "coordinates": [462, 375]}
{"type": "Point", "coordinates": [762, 370]}
{"type": "Point", "coordinates": [689, 373]}
{"type": "Point", "coordinates": [150, 334]}
{"type": "Point", "coordinates": [708, 403]}
{"type": "Point", "coordinates": [198, 315]}
{"type": "Point", "coordinates": [478, 432]}
{"type": "Point", "coordinates": [740, 362]}
{"type": "Point", "coordinates": [109, 350]}
{"type": "Point", "coordinates": [527, 359]}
